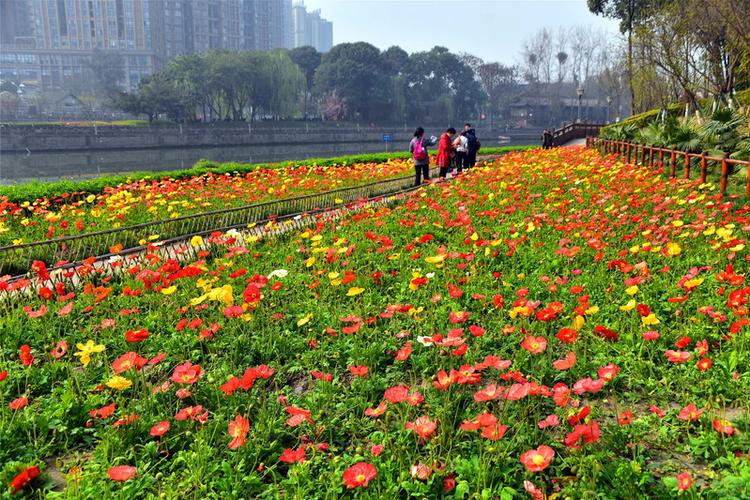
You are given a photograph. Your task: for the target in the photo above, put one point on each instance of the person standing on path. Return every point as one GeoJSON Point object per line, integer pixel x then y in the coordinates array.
{"type": "Point", "coordinates": [461, 145]}
{"type": "Point", "coordinates": [420, 155]}
{"type": "Point", "coordinates": [445, 151]}
{"type": "Point", "coordinates": [473, 145]}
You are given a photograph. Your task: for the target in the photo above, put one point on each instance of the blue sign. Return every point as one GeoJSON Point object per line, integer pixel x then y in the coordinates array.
{"type": "Point", "coordinates": [387, 138]}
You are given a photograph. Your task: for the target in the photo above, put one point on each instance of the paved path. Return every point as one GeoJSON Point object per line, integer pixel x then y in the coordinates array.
{"type": "Point", "coordinates": [575, 142]}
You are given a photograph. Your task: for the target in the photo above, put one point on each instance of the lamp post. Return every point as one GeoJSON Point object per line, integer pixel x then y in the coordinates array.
{"type": "Point", "coordinates": [579, 93]}
{"type": "Point", "coordinates": [609, 103]}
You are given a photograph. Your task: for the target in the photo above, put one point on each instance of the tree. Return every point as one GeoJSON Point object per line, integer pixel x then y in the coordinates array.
{"type": "Point", "coordinates": [498, 82]}
{"type": "Point", "coordinates": [308, 59]}
{"type": "Point", "coordinates": [108, 71]}
{"type": "Point", "coordinates": [396, 59]}
{"type": "Point", "coordinates": [630, 13]}
{"type": "Point", "coordinates": [442, 86]}
{"type": "Point", "coordinates": [358, 74]}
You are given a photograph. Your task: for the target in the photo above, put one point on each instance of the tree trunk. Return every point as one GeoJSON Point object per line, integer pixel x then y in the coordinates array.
{"type": "Point", "coordinates": [631, 9]}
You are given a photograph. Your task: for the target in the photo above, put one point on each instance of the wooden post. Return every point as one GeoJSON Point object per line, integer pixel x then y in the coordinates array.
{"type": "Point", "coordinates": [672, 165]}
{"type": "Point", "coordinates": [724, 175]}
{"type": "Point", "coordinates": [629, 149]}
{"type": "Point", "coordinates": [661, 158]}
{"type": "Point", "coordinates": [703, 167]}
{"type": "Point", "coordinates": [687, 165]}
{"type": "Point", "coordinates": [747, 174]}
{"type": "Point", "coordinates": [651, 156]}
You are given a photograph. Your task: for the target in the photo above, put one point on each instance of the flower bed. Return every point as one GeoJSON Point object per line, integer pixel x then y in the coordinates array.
{"type": "Point", "coordinates": [555, 322]}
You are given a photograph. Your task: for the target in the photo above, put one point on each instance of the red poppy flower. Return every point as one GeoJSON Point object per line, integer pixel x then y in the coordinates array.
{"type": "Point", "coordinates": [535, 345]}
{"type": "Point", "coordinates": [359, 474]}
{"type": "Point", "coordinates": [132, 336]}
{"type": "Point", "coordinates": [18, 403]}
{"type": "Point", "coordinates": [587, 433]}
{"type": "Point", "coordinates": [537, 460]}
{"type": "Point", "coordinates": [567, 335]}
{"type": "Point", "coordinates": [376, 412]}
{"type": "Point", "coordinates": [684, 481]}
{"type": "Point", "coordinates": [128, 361]}
{"type": "Point", "coordinates": [607, 373]}
{"type": "Point", "coordinates": [495, 431]}
{"type": "Point", "coordinates": [704, 364]}
{"type": "Point", "coordinates": [160, 429]}
{"type": "Point", "coordinates": [404, 353]}
{"type": "Point", "coordinates": [187, 373]}
{"type": "Point", "coordinates": [560, 394]}
{"type": "Point", "coordinates": [606, 333]}
{"type": "Point", "coordinates": [458, 317]}
{"type": "Point", "coordinates": [359, 371]}
{"type": "Point", "coordinates": [24, 478]}
{"type": "Point", "coordinates": [625, 418]}
{"type": "Point", "coordinates": [298, 416]}
{"type": "Point", "coordinates": [25, 354]}
{"type": "Point", "coordinates": [376, 449]}
{"type": "Point", "coordinates": [650, 335]}
{"type": "Point", "coordinates": [566, 363]}
{"type": "Point", "coordinates": [293, 456]}
{"type": "Point", "coordinates": [396, 394]}
{"type": "Point", "coordinates": [233, 311]}
{"type": "Point", "coordinates": [723, 426]}
{"type": "Point", "coordinates": [103, 412]}
{"type": "Point", "coordinates": [423, 426]}
{"type": "Point", "coordinates": [489, 393]}
{"type": "Point", "coordinates": [549, 421]}
{"type": "Point", "coordinates": [60, 349]}
{"type": "Point", "coordinates": [238, 429]}
{"type": "Point", "coordinates": [677, 356]}
{"type": "Point", "coordinates": [690, 413]}
{"type": "Point", "coordinates": [121, 472]}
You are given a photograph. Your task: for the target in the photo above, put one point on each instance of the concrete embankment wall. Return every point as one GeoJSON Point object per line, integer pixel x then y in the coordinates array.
{"type": "Point", "coordinates": [89, 138]}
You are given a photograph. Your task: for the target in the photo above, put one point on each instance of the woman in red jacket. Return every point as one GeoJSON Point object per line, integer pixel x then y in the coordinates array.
{"type": "Point", "coordinates": [445, 151]}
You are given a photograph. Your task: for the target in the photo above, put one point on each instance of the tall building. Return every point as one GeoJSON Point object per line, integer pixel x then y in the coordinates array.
{"type": "Point", "coordinates": [51, 41]}
{"type": "Point", "coordinates": [64, 34]}
{"type": "Point", "coordinates": [16, 28]}
{"type": "Point", "coordinates": [311, 29]}
{"type": "Point", "coordinates": [267, 24]}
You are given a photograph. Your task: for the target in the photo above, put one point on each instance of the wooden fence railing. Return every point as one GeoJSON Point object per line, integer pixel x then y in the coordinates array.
{"type": "Point", "coordinates": [646, 155]}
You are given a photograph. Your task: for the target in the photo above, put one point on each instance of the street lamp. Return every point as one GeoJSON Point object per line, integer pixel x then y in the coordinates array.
{"type": "Point", "coordinates": [579, 93]}
{"type": "Point", "coordinates": [609, 103]}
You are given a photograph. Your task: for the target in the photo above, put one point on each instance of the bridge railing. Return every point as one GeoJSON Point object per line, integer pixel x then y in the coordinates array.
{"type": "Point", "coordinates": [654, 156]}
{"type": "Point", "coordinates": [572, 131]}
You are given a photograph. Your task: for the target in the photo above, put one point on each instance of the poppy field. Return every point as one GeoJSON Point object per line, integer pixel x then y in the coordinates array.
{"type": "Point", "coordinates": [554, 324]}
{"type": "Point", "coordinates": [154, 198]}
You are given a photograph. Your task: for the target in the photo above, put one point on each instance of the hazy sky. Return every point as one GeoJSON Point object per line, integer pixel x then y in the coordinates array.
{"type": "Point", "coordinates": [491, 29]}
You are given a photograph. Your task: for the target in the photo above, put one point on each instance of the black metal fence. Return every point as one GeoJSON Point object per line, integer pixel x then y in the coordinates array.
{"type": "Point", "coordinates": [56, 253]}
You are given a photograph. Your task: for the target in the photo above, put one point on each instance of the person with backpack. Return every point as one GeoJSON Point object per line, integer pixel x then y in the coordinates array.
{"type": "Point", "coordinates": [445, 151]}
{"type": "Point", "coordinates": [473, 145]}
{"type": "Point", "coordinates": [420, 155]}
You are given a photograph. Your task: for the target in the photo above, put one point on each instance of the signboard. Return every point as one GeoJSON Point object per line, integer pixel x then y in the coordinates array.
{"type": "Point", "coordinates": [387, 138]}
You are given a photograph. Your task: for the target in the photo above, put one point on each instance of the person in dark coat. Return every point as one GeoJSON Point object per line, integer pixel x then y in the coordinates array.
{"type": "Point", "coordinates": [473, 145]}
